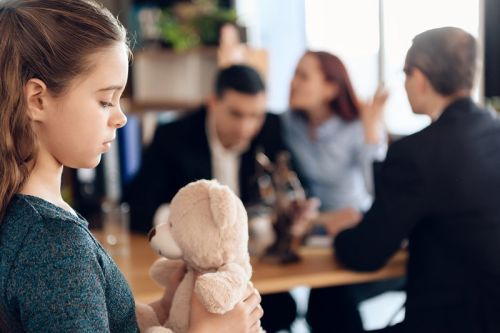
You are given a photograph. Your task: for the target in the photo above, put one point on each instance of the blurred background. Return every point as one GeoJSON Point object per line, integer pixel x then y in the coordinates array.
{"type": "Point", "coordinates": [177, 52]}
{"type": "Point", "coordinates": [179, 45]}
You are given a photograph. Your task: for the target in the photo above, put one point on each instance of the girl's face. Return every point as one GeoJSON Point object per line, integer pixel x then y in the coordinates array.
{"type": "Point", "coordinates": [310, 90]}
{"type": "Point", "coordinates": [80, 125]}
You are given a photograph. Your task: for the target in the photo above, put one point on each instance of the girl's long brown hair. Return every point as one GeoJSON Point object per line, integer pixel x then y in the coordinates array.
{"type": "Point", "coordinates": [50, 40]}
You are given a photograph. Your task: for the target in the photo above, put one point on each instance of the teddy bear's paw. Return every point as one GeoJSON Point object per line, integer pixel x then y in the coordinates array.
{"type": "Point", "coordinates": [214, 300]}
{"type": "Point", "coordinates": [146, 316]}
{"type": "Point", "coordinates": [159, 329]}
{"type": "Point", "coordinates": [220, 291]}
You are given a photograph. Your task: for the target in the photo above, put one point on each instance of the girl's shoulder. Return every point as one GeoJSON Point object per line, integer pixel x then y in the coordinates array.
{"type": "Point", "coordinates": [29, 211]}
{"type": "Point", "coordinates": [33, 227]}
{"type": "Point", "coordinates": [51, 265]}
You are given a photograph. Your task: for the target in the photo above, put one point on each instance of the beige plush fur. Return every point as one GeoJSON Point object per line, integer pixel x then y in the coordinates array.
{"type": "Point", "coordinates": [207, 229]}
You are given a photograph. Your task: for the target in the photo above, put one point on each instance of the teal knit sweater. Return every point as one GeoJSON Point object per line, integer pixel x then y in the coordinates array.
{"type": "Point", "coordinates": [54, 275]}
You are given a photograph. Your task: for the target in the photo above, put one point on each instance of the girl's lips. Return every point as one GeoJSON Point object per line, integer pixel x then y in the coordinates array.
{"type": "Point", "coordinates": [107, 144]}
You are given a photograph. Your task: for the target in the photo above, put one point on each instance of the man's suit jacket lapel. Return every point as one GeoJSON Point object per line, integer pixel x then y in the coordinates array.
{"type": "Point", "coordinates": [197, 151]}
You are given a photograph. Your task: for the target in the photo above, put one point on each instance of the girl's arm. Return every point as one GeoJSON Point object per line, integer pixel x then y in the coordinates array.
{"type": "Point", "coordinates": [58, 284]}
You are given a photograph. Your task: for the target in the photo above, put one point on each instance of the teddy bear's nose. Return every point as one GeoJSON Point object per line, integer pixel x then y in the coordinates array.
{"type": "Point", "coordinates": [151, 234]}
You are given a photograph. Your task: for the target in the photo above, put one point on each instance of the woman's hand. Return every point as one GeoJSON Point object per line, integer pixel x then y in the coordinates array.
{"type": "Point", "coordinates": [372, 116]}
{"type": "Point", "coordinates": [244, 318]}
{"type": "Point", "coordinates": [307, 212]}
{"type": "Point", "coordinates": [339, 220]}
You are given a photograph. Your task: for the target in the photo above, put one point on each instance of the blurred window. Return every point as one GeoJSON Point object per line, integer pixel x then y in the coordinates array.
{"type": "Point", "coordinates": [355, 30]}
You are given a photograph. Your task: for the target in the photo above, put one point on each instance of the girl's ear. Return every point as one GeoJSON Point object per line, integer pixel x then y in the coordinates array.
{"type": "Point", "coordinates": [36, 93]}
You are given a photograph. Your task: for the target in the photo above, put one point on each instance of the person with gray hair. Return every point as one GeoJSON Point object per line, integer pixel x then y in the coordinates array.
{"type": "Point", "coordinates": [439, 189]}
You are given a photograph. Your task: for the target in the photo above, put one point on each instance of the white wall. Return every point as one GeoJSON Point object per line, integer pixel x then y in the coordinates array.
{"type": "Point", "coordinates": [277, 26]}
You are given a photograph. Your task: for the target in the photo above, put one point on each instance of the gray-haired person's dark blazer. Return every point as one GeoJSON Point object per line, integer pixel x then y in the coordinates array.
{"type": "Point", "coordinates": [439, 188]}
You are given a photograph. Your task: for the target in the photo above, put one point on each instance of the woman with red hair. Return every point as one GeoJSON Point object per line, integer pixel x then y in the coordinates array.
{"type": "Point", "coordinates": [334, 139]}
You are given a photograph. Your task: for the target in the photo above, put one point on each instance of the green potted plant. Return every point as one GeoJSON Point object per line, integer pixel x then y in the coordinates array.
{"type": "Point", "coordinates": [187, 25]}
{"type": "Point", "coordinates": [180, 75]}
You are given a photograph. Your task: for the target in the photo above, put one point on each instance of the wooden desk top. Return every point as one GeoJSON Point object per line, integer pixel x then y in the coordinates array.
{"type": "Point", "coordinates": [317, 269]}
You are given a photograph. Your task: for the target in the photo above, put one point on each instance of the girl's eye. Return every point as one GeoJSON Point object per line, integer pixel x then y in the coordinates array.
{"type": "Point", "coordinates": [107, 104]}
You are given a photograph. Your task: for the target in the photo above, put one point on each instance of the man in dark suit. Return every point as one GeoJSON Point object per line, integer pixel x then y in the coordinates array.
{"type": "Point", "coordinates": [219, 141]}
{"type": "Point", "coordinates": [440, 189]}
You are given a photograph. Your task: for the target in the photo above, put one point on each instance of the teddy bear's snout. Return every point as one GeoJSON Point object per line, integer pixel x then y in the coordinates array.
{"type": "Point", "coordinates": [151, 234]}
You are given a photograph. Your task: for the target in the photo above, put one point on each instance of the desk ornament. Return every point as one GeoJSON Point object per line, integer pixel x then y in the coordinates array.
{"type": "Point", "coordinates": [281, 191]}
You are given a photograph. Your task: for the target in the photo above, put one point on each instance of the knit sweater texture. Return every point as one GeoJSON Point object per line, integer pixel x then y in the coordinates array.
{"type": "Point", "coordinates": [55, 276]}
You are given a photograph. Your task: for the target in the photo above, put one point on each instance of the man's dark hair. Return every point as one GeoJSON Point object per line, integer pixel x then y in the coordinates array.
{"type": "Point", "coordinates": [241, 78]}
{"type": "Point", "coordinates": [446, 56]}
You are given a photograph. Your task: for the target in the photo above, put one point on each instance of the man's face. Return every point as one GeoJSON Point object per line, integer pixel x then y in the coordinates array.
{"type": "Point", "coordinates": [238, 117]}
{"type": "Point", "coordinates": [414, 88]}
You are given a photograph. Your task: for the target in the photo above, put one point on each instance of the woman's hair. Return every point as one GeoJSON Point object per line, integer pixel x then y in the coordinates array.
{"type": "Point", "coordinates": [345, 104]}
{"type": "Point", "coordinates": [50, 40]}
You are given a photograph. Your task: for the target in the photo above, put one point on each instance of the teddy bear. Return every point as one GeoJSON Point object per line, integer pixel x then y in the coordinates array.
{"type": "Point", "coordinates": [207, 228]}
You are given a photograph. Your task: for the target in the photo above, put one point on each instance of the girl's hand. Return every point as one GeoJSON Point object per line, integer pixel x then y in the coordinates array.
{"type": "Point", "coordinates": [244, 318]}
{"type": "Point", "coordinates": [372, 116]}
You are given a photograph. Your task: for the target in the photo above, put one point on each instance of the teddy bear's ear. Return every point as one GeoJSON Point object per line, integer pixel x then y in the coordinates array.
{"type": "Point", "coordinates": [222, 205]}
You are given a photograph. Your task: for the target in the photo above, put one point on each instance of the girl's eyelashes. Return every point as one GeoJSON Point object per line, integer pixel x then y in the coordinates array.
{"type": "Point", "coordinates": [107, 104]}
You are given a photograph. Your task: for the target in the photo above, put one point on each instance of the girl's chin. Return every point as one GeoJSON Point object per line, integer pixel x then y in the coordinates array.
{"type": "Point", "coordinates": [88, 164]}
{"type": "Point", "coordinates": [95, 162]}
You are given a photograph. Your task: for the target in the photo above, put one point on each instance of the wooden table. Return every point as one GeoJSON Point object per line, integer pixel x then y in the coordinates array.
{"type": "Point", "coordinates": [317, 269]}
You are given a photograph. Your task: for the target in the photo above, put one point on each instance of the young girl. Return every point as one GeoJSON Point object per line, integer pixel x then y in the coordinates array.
{"type": "Point", "coordinates": [63, 68]}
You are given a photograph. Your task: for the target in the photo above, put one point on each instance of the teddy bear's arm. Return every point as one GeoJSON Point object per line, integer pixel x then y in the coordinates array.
{"type": "Point", "coordinates": [219, 292]}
